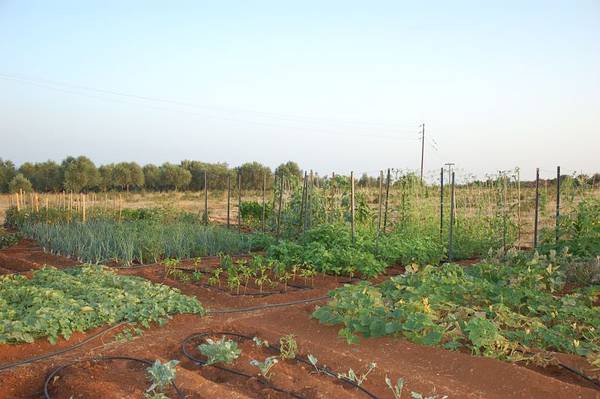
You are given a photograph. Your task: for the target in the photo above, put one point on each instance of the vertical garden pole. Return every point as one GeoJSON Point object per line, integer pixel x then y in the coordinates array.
{"type": "Point", "coordinates": [83, 215]}
{"type": "Point", "coordinates": [228, 200]}
{"type": "Point", "coordinates": [451, 231]}
{"type": "Point", "coordinates": [239, 201]}
{"type": "Point", "coordinates": [519, 208]}
{"type": "Point", "coordinates": [205, 198]}
{"type": "Point", "coordinates": [309, 193]}
{"type": "Point", "coordinates": [441, 202]}
{"type": "Point", "coordinates": [352, 207]}
{"type": "Point", "coordinates": [264, 204]}
{"type": "Point", "coordinates": [504, 212]}
{"type": "Point", "coordinates": [557, 204]}
{"type": "Point", "coordinates": [303, 202]}
{"type": "Point", "coordinates": [379, 204]}
{"type": "Point", "coordinates": [537, 208]}
{"type": "Point", "coordinates": [387, 196]}
{"type": "Point", "coordinates": [280, 203]}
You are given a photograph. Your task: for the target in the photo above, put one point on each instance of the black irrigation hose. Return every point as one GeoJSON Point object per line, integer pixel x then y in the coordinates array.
{"type": "Point", "coordinates": [8, 366]}
{"type": "Point", "coordinates": [95, 360]}
{"type": "Point", "coordinates": [580, 374]}
{"type": "Point", "coordinates": [274, 348]}
{"type": "Point", "coordinates": [266, 306]}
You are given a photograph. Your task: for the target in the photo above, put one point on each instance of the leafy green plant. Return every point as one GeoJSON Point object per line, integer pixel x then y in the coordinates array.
{"type": "Point", "coordinates": [417, 395]}
{"type": "Point", "coordinates": [161, 375]}
{"type": "Point", "coordinates": [55, 303]}
{"type": "Point", "coordinates": [259, 342]}
{"type": "Point", "coordinates": [358, 379]}
{"type": "Point", "coordinates": [313, 360]}
{"type": "Point", "coordinates": [221, 351]}
{"type": "Point", "coordinates": [507, 309]}
{"type": "Point", "coordinates": [265, 366]}
{"type": "Point", "coordinates": [396, 388]}
{"type": "Point", "coordinates": [8, 239]}
{"type": "Point", "coordinates": [288, 347]}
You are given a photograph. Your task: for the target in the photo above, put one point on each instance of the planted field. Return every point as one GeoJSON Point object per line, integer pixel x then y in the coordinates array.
{"type": "Point", "coordinates": [316, 310]}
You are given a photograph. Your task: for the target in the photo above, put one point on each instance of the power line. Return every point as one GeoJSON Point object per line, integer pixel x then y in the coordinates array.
{"type": "Point", "coordinates": [298, 118]}
{"type": "Point", "coordinates": [53, 86]}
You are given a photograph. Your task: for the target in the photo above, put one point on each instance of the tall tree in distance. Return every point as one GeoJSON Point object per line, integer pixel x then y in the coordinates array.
{"type": "Point", "coordinates": [105, 177]}
{"type": "Point", "coordinates": [174, 177]}
{"type": "Point", "coordinates": [128, 174]}
{"type": "Point", "coordinates": [253, 174]}
{"type": "Point", "coordinates": [152, 179]}
{"type": "Point", "coordinates": [79, 173]}
{"type": "Point", "coordinates": [7, 172]}
{"type": "Point", "coordinates": [19, 183]}
{"type": "Point", "coordinates": [289, 169]}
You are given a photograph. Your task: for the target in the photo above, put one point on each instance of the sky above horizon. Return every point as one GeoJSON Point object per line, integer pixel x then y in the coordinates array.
{"type": "Point", "coordinates": [334, 86]}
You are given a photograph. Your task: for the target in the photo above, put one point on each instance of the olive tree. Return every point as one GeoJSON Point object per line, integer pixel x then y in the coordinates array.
{"type": "Point", "coordinates": [174, 177]}
{"type": "Point", "coordinates": [7, 172]}
{"type": "Point", "coordinates": [79, 174]}
{"type": "Point", "coordinates": [19, 183]}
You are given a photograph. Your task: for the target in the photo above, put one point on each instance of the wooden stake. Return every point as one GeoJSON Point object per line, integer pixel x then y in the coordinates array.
{"type": "Point", "coordinates": [239, 201]}
{"type": "Point", "coordinates": [352, 207]}
{"type": "Point", "coordinates": [280, 204]}
{"type": "Point", "coordinates": [228, 200]}
{"type": "Point", "coordinates": [557, 204]}
{"type": "Point", "coordinates": [379, 204]}
{"type": "Point", "coordinates": [83, 215]}
{"type": "Point", "coordinates": [303, 203]}
{"type": "Point", "coordinates": [205, 198]}
{"type": "Point", "coordinates": [537, 208]}
{"type": "Point", "coordinates": [387, 195]}
{"type": "Point", "coordinates": [451, 231]}
{"type": "Point", "coordinates": [264, 204]}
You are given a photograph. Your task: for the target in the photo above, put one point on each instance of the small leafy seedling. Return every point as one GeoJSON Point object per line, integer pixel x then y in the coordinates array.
{"type": "Point", "coordinates": [396, 389]}
{"type": "Point", "coordinates": [260, 342]}
{"type": "Point", "coordinates": [161, 375]}
{"type": "Point", "coordinates": [358, 380]}
{"type": "Point", "coordinates": [417, 395]}
{"type": "Point", "coordinates": [288, 347]}
{"type": "Point", "coordinates": [313, 360]}
{"type": "Point", "coordinates": [221, 351]}
{"type": "Point", "coordinates": [266, 366]}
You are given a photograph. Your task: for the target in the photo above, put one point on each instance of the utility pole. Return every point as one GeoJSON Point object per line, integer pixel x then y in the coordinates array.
{"type": "Point", "coordinates": [449, 165]}
{"type": "Point", "coordinates": [422, 149]}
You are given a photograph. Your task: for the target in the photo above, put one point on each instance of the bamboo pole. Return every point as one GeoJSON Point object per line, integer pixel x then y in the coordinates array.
{"type": "Point", "coordinates": [83, 215]}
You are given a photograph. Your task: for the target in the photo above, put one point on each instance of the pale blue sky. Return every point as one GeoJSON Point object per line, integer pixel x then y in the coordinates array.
{"type": "Point", "coordinates": [334, 85]}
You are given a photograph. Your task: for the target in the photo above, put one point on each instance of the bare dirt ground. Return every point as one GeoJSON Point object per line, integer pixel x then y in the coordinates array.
{"type": "Point", "coordinates": [426, 369]}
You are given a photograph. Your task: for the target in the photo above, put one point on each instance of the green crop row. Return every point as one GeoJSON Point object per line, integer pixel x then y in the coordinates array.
{"type": "Point", "coordinates": [55, 303]}
{"type": "Point", "coordinates": [509, 309]}
{"type": "Point", "coordinates": [138, 241]}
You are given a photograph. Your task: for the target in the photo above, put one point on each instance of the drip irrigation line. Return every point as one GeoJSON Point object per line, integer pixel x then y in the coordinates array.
{"type": "Point", "coordinates": [266, 306]}
{"type": "Point", "coordinates": [96, 360]}
{"type": "Point", "coordinates": [594, 381]}
{"type": "Point", "coordinates": [274, 348]}
{"type": "Point", "coordinates": [61, 351]}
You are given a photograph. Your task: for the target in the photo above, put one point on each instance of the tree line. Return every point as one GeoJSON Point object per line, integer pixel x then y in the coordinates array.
{"type": "Point", "coordinates": [80, 174]}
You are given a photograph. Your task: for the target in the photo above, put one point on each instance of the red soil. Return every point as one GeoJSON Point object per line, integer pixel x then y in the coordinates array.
{"type": "Point", "coordinates": [426, 369]}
